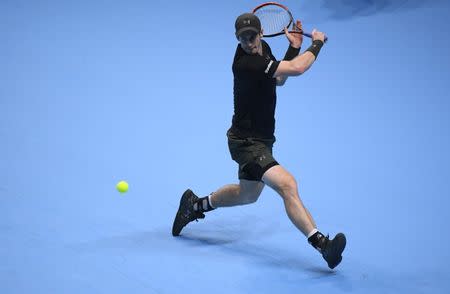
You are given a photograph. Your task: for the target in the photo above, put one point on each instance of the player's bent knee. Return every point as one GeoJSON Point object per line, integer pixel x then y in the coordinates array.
{"type": "Point", "coordinates": [252, 198]}
{"type": "Point", "coordinates": [288, 187]}
{"type": "Point", "coordinates": [250, 195]}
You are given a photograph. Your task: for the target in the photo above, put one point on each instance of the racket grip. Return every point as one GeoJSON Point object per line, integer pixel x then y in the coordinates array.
{"type": "Point", "coordinates": [310, 36]}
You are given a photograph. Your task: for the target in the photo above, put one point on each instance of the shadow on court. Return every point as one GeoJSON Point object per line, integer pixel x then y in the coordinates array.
{"type": "Point", "coordinates": [347, 9]}
{"type": "Point", "coordinates": [267, 255]}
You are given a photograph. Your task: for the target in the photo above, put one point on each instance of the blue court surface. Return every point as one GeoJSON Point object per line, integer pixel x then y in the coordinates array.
{"type": "Point", "coordinates": [94, 92]}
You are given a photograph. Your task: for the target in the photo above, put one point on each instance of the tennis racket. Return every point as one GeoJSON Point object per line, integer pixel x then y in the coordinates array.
{"type": "Point", "coordinates": [274, 18]}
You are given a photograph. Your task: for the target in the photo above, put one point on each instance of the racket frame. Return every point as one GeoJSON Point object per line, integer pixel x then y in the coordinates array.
{"type": "Point", "coordinates": [290, 22]}
{"type": "Point", "coordinates": [286, 9]}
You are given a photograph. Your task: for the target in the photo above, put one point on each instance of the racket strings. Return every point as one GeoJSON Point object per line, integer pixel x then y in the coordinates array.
{"type": "Point", "coordinates": [273, 19]}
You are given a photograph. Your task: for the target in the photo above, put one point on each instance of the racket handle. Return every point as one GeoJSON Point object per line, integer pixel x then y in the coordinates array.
{"type": "Point", "coordinates": [310, 36]}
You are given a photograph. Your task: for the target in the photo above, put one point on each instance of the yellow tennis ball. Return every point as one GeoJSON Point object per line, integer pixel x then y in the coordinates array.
{"type": "Point", "coordinates": [122, 186]}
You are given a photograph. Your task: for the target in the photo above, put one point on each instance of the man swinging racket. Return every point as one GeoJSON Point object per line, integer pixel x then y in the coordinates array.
{"type": "Point", "coordinates": [251, 136]}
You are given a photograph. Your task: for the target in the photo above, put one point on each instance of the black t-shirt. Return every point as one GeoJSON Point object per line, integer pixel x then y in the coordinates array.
{"type": "Point", "coordinates": [254, 93]}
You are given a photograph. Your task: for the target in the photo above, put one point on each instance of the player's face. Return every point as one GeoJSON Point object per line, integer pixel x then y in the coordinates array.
{"type": "Point", "coordinates": [250, 42]}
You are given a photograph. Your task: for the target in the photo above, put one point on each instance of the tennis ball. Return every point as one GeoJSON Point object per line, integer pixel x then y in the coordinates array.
{"type": "Point", "coordinates": [122, 186]}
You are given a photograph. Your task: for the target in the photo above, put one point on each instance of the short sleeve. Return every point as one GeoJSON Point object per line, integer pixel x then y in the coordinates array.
{"type": "Point", "coordinates": [257, 65]}
{"type": "Point", "coordinates": [271, 67]}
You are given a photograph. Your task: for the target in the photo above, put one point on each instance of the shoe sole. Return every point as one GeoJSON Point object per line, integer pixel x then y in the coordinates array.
{"type": "Point", "coordinates": [339, 243]}
{"type": "Point", "coordinates": [177, 227]}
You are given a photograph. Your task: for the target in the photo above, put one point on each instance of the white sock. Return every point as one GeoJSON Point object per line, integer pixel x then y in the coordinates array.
{"type": "Point", "coordinates": [312, 232]}
{"type": "Point", "coordinates": [209, 199]}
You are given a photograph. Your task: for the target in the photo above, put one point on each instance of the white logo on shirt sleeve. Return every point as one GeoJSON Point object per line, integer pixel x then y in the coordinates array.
{"type": "Point", "coordinates": [268, 67]}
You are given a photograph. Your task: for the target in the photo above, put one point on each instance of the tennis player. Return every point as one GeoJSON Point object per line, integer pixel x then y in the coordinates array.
{"type": "Point", "coordinates": [251, 136]}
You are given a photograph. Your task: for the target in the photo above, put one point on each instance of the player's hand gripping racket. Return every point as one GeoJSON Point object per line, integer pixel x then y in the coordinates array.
{"type": "Point", "coordinates": [274, 18]}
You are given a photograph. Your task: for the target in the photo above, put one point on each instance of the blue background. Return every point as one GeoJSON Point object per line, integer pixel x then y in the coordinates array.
{"type": "Point", "coordinates": [93, 92]}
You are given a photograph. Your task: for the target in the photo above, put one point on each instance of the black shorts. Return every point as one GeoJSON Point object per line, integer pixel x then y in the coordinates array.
{"type": "Point", "coordinates": [254, 156]}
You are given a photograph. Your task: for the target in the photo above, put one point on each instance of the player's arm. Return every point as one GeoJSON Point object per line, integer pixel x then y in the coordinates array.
{"type": "Point", "coordinates": [295, 43]}
{"type": "Point", "coordinates": [303, 62]}
{"type": "Point", "coordinates": [294, 67]}
{"type": "Point", "coordinates": [281, 80]}
{"type": "Point", "coordinates": [291, 53]}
